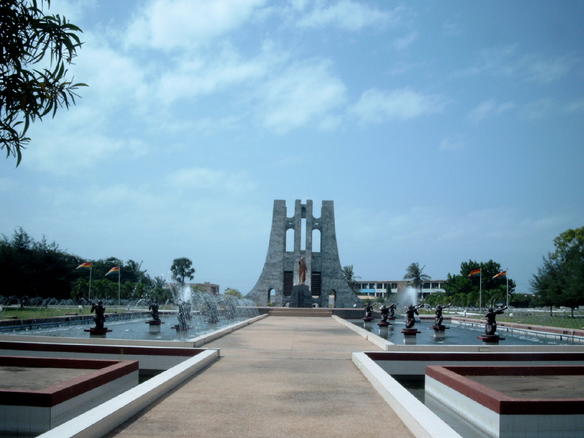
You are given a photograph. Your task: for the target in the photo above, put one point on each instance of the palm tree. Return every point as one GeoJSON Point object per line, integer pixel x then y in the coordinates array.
{"type": "Point", "coordinates": [416, 275]}
{"type": "Point", "coordinates": [350, 276]}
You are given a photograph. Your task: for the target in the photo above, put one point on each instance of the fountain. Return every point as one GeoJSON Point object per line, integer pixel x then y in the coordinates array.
{"type": "Point", "coordinates": [392, 307]}
{"type": "Point", "coordinates": [384, 316]}
{"type": "Point", "coordinates": [99, 329]}
{"type": "Point", "coordinates": [490, 337]}
{"type": "Point", "coordinates": [438, 326]}
{"type": "Point", "coordinates": [411, 311]}
{"type": "Point", "coordinates": [155, 322]}
{"type": "Point", "coordinates": [183, 316]}
{"type": "Point", "coordinates": [368, 313]}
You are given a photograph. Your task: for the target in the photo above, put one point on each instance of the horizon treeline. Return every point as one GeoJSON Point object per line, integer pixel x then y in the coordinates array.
{"type": "Point", "coordinates": [37, 268]}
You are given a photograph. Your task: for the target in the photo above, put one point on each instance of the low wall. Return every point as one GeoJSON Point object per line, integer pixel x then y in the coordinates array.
{"type": "Point", "coordinates": [384, 344]}
{"type": "Point", "coordinates": [539, 328]}
{"type": "Point", "coordinates": [35, 323]}
{"type": "Point", "coordinates": [149, 357]}
{"type": "Point", "coordinates": [421, 421]}
{"type": "Point", "coordinates": [27, 412]}
{"type": "Point", "coordinates": [350, 313]}
{"type": "Point", "coordinates": [206, 338]}
{"type": "Point", "coordinates": [413, 363]}
{"type": "Point", "coordinates": [102, 419]}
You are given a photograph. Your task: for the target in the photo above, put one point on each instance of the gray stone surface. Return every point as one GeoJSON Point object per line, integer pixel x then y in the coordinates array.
{"type": "Point", "coordinates": [301, 296]}
{"type": "Point", "coordinates": [326, 261]}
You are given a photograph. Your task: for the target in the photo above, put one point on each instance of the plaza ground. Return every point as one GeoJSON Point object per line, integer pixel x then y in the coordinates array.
{"type": "Point", "coordinates": [282, 376]}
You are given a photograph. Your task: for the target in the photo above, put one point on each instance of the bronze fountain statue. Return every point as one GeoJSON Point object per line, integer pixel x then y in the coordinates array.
{"type": "Point", "coordinates": [99, 319]}
{"type": "Point", "coordinates": [490, 335]}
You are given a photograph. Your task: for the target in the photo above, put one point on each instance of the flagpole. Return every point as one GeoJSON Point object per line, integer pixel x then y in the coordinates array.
{"type": "Point", "coordinates": [507, 283]}
{"type": "Point", "coordinates": [119, 286]}
{"type": "Point", "coordinates": [89, 293]}
{"type": "Point", "coordinates": [481, 289]}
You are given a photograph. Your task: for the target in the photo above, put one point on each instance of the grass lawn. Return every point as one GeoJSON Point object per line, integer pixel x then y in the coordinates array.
{"type": "Point", "coordinates": [553, 321]}
{"type": "Point", "coordinates": [41, 312]}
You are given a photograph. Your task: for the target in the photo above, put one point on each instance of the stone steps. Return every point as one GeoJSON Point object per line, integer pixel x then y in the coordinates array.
{"type": "Point", "coordinates": [296, 311]}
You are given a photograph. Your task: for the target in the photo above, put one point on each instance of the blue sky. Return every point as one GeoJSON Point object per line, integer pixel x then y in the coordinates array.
{"type": "Point", "coordinates": [443, 131]}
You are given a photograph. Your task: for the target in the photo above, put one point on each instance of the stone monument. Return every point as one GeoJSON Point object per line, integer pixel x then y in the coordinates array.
{"type": "Point", "coordinates": [303, 277]}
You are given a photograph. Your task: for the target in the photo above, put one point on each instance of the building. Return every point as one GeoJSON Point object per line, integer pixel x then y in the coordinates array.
{"type": "Point", "coordinates": [369, 289]}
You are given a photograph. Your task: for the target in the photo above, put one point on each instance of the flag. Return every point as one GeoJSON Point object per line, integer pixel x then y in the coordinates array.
{"type": "Point", "coordinates": [500, 274]}
{"type": "Point", "coordinates": [474, 272]}
{"type": "Point", "coordinates": [85, 265]}
{"type": "Point", "coordinates": [113, 270]}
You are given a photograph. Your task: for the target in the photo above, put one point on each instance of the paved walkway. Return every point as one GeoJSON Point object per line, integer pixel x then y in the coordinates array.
{"type": "Point", "coordinates": [279, 377]}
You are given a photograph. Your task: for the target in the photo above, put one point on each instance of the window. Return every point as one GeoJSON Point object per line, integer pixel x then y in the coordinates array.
{"type": "Point", "coordinates": [315, 240]}
{"type": "Point", "coordinates": [290, 240]}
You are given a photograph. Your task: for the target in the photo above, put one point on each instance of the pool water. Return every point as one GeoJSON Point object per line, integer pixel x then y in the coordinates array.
{"type": "Point", "coordinates": [136, 329]}
{"type": "Point", "coordinates": [458, 335]}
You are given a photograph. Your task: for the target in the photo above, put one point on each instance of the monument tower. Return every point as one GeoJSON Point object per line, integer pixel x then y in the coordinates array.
{"type": "Point", "coordinates": [302, 277]}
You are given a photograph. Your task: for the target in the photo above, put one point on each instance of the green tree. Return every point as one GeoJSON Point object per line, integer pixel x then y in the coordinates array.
{"type": "Point", "coordinates": [464, 291]}
{"type": "Point", "coordinates": [560, 281]}
{"type": "Point", "coordinates": [415, 275]}
{"type": "Point", "coordinates": [28, 38]}
{"type": "Point", "coordinates": [159, 290]}
{"type": "Point", "coordinates": [182, 268]}
{"type": "Point", "coordinates": [350, 277]}
{"type": "Point", "coordinates": [35, 268]}
{"type": "Point", "coordinates": [234, 292]}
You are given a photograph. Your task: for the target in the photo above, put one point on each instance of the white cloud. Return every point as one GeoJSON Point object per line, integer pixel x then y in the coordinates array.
{"type": "Point", "coordinates": [489, 108]}
{"type": "Point", "coordinates": [125, 195]}
{"type": "Point", "coordinates": [171, 24]}
{"type": "Point", "coordinates": [113, 77]}
{"type": "Point", "coordinates": [347, 15]}
{"type": "Point", "coordinates": [301, 94]}
{"type": "Point", "coordinates": [73, 142]}
{"type": "Point", "coordinates": [405, 41]}
{"type": "Point", "coordinates": [451, 144]}
{"type": "Point", "coordinates": [506, 61]}
{"type": "Point", "coordinates": [401, 104]}
{"type": "Point", "coordinates": [198, 178]}
{"type": "Point", "coordinates": [545, 70]}
{"type": "Point", "coordinates": [202, 75]}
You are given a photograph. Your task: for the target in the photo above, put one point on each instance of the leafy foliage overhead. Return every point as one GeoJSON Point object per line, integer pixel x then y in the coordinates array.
{"type": "Point", "coordinates": [30, 38]}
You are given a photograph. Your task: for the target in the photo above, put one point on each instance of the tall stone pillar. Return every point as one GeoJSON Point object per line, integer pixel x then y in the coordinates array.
{"type": "Point", "coordinates": [281, 268]}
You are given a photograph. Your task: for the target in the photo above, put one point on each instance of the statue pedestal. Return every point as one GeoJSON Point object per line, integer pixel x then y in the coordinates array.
{"type": "Point", "coordinates": [94, 331]}
{"type": "Point", "coordinates": [383, 323]}
{"type": "Point", "coordinates": [410, 331]}
{"type": "Point", "coordinates": [301, 296]}
{"type": "Point", "coordinates": [491, 339]}
{"type": "Point", "coordinates": [439, 328]}
{"type": "Point", "coordinates": [154, 322]}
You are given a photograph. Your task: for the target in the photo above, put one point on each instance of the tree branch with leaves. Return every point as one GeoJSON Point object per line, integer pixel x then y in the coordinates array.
{"type": "Point", "coordinates": [28, 38]}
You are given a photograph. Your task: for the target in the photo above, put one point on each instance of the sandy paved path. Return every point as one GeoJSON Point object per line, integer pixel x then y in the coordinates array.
{"type": "Point", "coordinates": [279, 377]}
